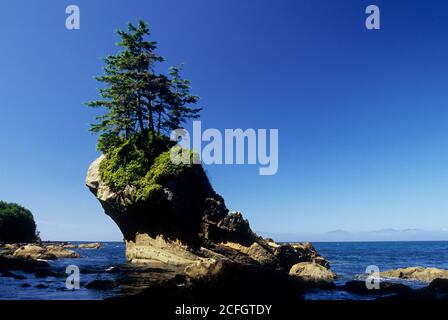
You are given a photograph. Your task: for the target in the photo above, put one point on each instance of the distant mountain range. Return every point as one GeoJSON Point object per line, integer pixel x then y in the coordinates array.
{"type": "Point", "coordinates": [388, 234]}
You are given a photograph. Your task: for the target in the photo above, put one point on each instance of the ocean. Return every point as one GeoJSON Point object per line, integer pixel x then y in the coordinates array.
{"type": "Point", "coordinates": [348, 259]}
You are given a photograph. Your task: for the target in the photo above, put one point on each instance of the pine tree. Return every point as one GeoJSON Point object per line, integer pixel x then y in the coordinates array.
{"type": "Point", "coordinates": [139, 101]}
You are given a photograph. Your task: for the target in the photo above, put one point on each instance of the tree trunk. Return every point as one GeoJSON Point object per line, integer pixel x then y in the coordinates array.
{"type": "Point", "coordinates": [140, 115]}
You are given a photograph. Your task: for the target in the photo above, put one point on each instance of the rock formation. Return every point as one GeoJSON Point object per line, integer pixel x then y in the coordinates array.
{"type": "Point", "coordinates": [50, 252]}
{"type": "Point", "coordinates": [189, 224]}
{"type": "Point", "coordinates": [95, 245]}
{"type": "Point", "coordinates": [416, 273]}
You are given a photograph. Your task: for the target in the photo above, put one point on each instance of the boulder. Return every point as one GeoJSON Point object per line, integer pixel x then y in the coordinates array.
{"type": "Point", "coordinates": [312, 272]}
{"type": "Point", "coordinates": [416, 273]}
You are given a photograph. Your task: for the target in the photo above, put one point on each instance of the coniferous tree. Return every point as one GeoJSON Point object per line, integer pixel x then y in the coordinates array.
{"type": "Point", "coordinates": [139, 101]}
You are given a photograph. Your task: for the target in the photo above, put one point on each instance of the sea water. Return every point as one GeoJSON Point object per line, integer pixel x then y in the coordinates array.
{"type": "Point", "coordinates": [348, 259]}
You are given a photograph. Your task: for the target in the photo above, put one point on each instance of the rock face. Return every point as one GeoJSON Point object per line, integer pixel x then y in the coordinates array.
{"type": "Point", "coordinates": [416, 273]}
{"type": "Point", "coordinates": [190, 225]}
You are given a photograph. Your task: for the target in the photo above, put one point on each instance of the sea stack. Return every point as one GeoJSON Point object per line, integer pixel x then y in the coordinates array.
{"type": "Point", "coordinates": [188, 222]}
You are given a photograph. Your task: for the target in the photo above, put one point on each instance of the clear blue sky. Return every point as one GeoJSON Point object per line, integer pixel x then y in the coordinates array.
{"type": "Point", "coordinates": [362, 115]}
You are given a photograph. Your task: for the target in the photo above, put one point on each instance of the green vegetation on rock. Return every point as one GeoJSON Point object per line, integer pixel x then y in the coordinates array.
{"type": "Point", "coordinates": [140, 101]}
{"type": "Point", "coordinates": [16, 224]}
{"type": "Point", "coordinates": [142, 107]}
{"type": "Point", "coordinates": [147, 169]}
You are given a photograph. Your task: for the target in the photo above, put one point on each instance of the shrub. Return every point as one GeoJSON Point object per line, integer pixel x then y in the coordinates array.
{"type": "Point", "coordinates": [16, 223]}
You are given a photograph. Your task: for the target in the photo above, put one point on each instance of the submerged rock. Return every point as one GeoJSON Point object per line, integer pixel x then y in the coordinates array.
{"type": "Point", "coordinates": [7, 274]}
{"type": "Point", "coordinates": [416, 273]}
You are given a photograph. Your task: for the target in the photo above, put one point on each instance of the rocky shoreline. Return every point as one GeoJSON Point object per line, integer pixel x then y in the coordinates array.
{"type": "Point", "coordinates": [217, 279]}
{"type": "Point", "coordinates": [33, 258]}
{"type": "Point", "coordinates": [183, 243]}
{"type": "Point", "coordinates": [188, 225]}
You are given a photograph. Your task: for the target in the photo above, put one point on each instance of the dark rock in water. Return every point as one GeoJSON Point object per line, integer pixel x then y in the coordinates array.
{"type": "Point", "coordinates": [25, 285]}
{"type": "Point", "coordinates": [44, 273]}
{"type": "Point", "coordinates": [113, 270]}
{"type": "Point", "coordinates": [224, 280]}
{"type": "Point", "coordinates": [359, 287]}
{"type": "Point", "coordinates": [7, 274]}
{"type": "Point", "coordinates": [436, 290]}
{"type": "Point", "coordinates": [101, 285]}
{"type": "Point", "coordinates": [41, 286]}
{"type": "Point", "coordinates": [27, 265]}
{"type": "Point", "coordinates": [438, 285]}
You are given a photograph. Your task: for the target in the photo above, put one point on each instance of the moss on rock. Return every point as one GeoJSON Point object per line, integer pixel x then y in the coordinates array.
{"type": "Point", "coordinates": [146, 171]}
